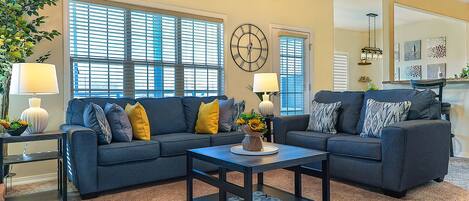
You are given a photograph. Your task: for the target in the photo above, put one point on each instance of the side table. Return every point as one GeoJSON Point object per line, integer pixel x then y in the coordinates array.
{"type": "Point", "coordinates": [268, 123]}
{"type": "Point", "coordinates": [58, 155]}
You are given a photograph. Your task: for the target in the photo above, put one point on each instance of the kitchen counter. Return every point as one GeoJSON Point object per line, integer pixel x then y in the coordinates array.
{"type": "Point", "coordinates": [448, 81]}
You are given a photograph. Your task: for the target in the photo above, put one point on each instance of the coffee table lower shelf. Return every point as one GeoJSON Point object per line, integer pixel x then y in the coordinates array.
{"type": "Point", "coordinates": [268, 190]}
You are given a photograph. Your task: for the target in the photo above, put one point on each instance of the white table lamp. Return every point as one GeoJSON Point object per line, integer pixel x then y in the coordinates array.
{"type": "Point", "coordinates": [34, 79]}
{"type": "Point", "coordinates": [265, 82]}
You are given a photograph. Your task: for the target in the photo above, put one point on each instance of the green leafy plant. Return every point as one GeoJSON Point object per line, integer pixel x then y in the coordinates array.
{"type": "Point", "coordinates": [372, 87]}
{"type": "Point", "coordinates": [19, 34]}
{"type": "Point", "coordinates": [465, 72]}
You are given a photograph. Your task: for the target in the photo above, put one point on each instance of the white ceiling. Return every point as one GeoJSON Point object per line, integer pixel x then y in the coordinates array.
{"type": "Point", "coordinates": [351, 14]}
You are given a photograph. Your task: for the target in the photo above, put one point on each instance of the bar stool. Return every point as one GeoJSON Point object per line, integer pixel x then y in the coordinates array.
{"type": "Point", "coordinates": [445, 107]}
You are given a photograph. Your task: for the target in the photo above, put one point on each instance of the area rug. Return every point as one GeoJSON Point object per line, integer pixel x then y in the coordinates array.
{"type": "Point", "coordinates": [458, 172]}
{"type": "Point", "coordinates": [175, 191]}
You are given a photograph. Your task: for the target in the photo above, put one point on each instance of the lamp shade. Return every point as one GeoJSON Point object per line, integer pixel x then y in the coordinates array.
{"type": "Point", "coordinates": [33, 79]}
{"type": "Point", "coordinates": [265, 82]}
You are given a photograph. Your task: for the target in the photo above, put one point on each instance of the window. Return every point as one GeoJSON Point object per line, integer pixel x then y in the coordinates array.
{"type": "Point", "coordinates": [119, 52]}
{"type": "Point", "coordinates": [340, 71]}
{"type": "Point", "coordinates": [292, 75]}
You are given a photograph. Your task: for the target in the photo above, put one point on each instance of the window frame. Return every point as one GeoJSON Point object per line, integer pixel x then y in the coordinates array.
{"type": "Point", "coordinates": [276, 31]}
{"type": "Point", "coordinates": [178, 13]}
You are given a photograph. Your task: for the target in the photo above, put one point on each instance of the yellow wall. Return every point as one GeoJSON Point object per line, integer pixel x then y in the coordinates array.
{"type": "Point", "coordinates": [313, 15]}
{"type": "Point", "coordinates": [351, 42]}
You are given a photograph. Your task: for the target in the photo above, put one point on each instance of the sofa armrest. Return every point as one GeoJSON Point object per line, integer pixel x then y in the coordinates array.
{"type": "Point", "coordinates": [284, 124]}
{"type": "Point", "coordinates": [414, 152]}
{"type": "Point", "coordinates": [82, 157]}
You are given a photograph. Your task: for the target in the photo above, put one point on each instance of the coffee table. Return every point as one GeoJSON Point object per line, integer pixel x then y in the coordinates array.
{"type": "Point", "coordinates": [289, 157]}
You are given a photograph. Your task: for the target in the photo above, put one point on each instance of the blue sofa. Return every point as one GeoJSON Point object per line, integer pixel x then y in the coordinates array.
{"type": "Point", "coordinates": [95, 168]}
{"type": "Point", "coordinates": [408, 154]}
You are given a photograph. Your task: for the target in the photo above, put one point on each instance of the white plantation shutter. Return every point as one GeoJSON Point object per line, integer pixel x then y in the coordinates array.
{"type": "Point", "coordinates": [97, 50]}
{"type": "Point", "coordinates": [118, 52]}
{"type": "Point", "coordinates": [292, 72]}
{"type": "Point", "coordinates": [340, 72]}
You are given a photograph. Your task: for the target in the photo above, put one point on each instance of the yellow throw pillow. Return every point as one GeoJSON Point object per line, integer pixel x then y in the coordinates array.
{"type": "Point", "coordinates": [139, 120]}
{"type": "Point", "coordinates": [207, 120]}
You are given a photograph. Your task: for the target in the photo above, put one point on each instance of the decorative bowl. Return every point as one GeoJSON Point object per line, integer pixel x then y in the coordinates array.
{"type": "Point", "coordinates": [18, 131]}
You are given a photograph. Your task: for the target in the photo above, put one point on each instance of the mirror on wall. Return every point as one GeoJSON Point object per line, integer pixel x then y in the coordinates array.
{"type": "Point", "coordinates": [428, 46]}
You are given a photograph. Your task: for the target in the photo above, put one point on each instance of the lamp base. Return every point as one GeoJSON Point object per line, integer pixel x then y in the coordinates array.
{"type": "Point", "coordinates": [36, 116]}
{"type": "Point", "coordinates": [266, 107]}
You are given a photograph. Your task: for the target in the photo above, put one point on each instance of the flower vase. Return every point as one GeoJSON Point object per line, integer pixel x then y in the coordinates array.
{"type": "Point", "coordinates": [252, 140]}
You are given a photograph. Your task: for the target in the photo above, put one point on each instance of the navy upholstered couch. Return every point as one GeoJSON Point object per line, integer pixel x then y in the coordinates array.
{"type": "Point", "coordinates": [95, 168]}
{"type": "Point", "coordinates": [408, 154]}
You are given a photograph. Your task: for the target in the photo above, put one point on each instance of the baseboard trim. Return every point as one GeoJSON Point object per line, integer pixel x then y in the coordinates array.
{"type": "Point", "coordinates": [34, 179]}
{"type": "Point", "coordinates": [462, 154]}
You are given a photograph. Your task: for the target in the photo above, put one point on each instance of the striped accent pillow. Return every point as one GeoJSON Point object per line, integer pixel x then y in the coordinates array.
{"type": "Point", "coordinates": [323, 117]}
{"type": "Point", "coordinates": [381, 114]}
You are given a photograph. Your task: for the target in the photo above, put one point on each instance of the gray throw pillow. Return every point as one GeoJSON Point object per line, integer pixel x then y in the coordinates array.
{"type": "Point", "coordinates": [119, 122]}
{"type": "Point", "coordinates": [381, 114]}
{"type": "Point", "coordinates": [95, 119]}
{"type": "Point", "coordinates": [239, 107]}
{"type": "Point", "coordinates": [323, 117]}
{"type": "Point", "coordinates": [225, 120]}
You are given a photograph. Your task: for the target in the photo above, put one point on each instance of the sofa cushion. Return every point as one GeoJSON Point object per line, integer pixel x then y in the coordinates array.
{"type": "Point", "coordinates": [119, 122]}
{"type": "Point", "coordinates": [125, 152]}
{"type": "Point", "coordinates": [139, 120]}
{"type": "Point", "coordinates": [424, 105]}
{"type": "Point", "coordinates": [309, 139]}
{"type": "Point", "coordinates": [166, 115]}
{"type": "Point", "coordinates": [355, 146]}
{"type": "Point", "coordinates": [382, 114]}
{"type": "Point", "coordinates": [349, 113]}
{"type": "Point", "coordinates": [207, 119]}
{"type": "Point", "coordinates": [226, 138]}
{"type": "Point", "coordinates": [177, 143]}
{"type": "Point", "coordinates": [323, 117]}
{"type": "Point", "coordinates": [77, 106]}
{"type": "Point", "coordinates": [227, 110]}
{"type": "Point", "coordinates": [191, 109]}
{"type": "Point", "coordinates": [95, 119]}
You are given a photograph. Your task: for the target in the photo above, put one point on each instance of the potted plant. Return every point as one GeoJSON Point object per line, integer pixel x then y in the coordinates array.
{"type": "Point", "coordinates": [253, 125]}
{"type": "Point", "coordinates": [19, 34]}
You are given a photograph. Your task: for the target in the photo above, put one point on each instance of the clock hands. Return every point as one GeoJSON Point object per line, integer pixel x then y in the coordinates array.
{"type": "Point", "coordinates": [249, 49]}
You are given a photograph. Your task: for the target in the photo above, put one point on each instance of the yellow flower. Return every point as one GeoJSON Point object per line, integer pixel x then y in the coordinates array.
{"type": "Point", "coordinates": [23, 122]}
{"type": "Point", "coordinates": [256, 125]}
{"type": "Point", "coordinates": [240, 121]}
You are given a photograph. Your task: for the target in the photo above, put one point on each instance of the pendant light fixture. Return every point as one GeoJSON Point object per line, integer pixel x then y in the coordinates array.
{"type": "Point", "coordinates": [370, 53]}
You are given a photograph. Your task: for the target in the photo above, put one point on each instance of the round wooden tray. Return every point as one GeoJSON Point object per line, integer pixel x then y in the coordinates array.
{"type": "Point", "coordinates": [267, 149]}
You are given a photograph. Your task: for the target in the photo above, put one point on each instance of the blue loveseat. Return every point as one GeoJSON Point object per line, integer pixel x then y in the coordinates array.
{"type": "Point", "coordinates": [95, 168]}
{"type": "Point", "coordinates": [408, 153]}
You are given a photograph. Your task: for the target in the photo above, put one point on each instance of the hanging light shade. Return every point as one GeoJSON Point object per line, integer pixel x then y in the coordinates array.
{"type": "Point", "coordinates": [369, 52]}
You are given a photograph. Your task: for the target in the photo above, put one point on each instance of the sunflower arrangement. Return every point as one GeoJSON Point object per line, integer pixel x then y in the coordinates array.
{"type": "Point", "coordinates": [253, 121]}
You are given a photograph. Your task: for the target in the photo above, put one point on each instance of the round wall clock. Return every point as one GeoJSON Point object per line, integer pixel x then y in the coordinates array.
{"type": "Point", "coordinates": [249, 47]}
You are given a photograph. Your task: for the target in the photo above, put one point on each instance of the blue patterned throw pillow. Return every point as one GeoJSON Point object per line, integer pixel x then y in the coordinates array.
{"type": "Point", "coordinates": [239, 107]}
{"type": "Point", "coordinates": [119, 122]}
{"type": "Point", "coordinates": [323, 117]}
{"type": "Point", "coordinates": [381, 114]}
{"type": "Point", "coordinates": [95, 119]}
